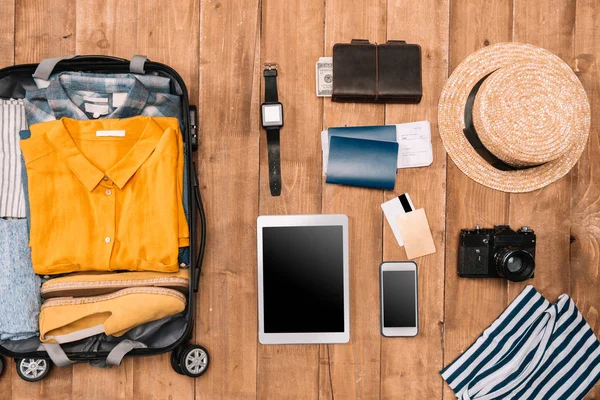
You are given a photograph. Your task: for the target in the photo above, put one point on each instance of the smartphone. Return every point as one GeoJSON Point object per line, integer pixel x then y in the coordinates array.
{"type": "Point", "coordinates": [399, 299]}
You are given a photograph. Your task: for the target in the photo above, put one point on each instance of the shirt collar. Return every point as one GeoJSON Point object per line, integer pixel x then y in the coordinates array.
{"type": "Point", "coordinates": [63, 106]}
{"type": "Point", "coordinates": [89, 175]}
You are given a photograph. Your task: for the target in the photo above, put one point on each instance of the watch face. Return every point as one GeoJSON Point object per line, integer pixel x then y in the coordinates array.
{"type": "Point", "coordinates": [272, 114]}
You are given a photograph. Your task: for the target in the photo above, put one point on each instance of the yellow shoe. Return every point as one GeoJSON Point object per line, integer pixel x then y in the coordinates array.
{"type": "Point", "coordinates": [98, 283]}
{"type": "Point", "coordinates": [64, 320]}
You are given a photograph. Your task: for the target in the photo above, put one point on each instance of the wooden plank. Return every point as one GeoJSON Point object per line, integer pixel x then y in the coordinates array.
{"type": "Point", "coordinates": [471, 305]}
{"type": "Point", "coordinates": [35, 39]}
{"type": "Point", "coordinates": [7, 33]}
{"type": "Point", "coordinates": [153, 377]}
{"type": "Point", "coordinates": [56, 386]}
{"type": "Point", "coordinates": [168, 33]}
{"type": "Point", "coordinates": [105, 28]}
{"type": "Point", "coordinates": [548, 210]}
{"type": "Point", "coordinates": [585, 219]}
{"type": "Point", "coordinates": [6, 378]}
{"type": "Point", "coordinates": [229, 174]}
{"type": "Point", "coordinates": [292, 36]}
{"type": "Point", "coordinates": [37, 36]}
{"type": "Point", "coordinates": [352, 371]}
{"type": "Point", "coordinates": [114, 383]}
{"type": "Point", "coordinates": [415, 374]}
{"type": "Point", "coordinates": [7, 58]}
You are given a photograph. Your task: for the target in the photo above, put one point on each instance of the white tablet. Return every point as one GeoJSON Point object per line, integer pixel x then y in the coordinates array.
{"type": "Point", "coordinates": [303, 282]}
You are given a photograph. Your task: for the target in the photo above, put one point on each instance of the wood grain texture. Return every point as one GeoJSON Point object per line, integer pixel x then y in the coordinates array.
{"type": "Point", "coordinates": [169, 32]}
{"type": "Point", "coordinates": [7, 33]}
{"type": "Point", "coordinates": [352, 371]}
{"type": "Point", "coordinates": [229, 174]}
{"type": "Point", "coordinates": [154, 375]}
{"type": "Point", "coordinates": [105, 28]}
{"type": "Point", "coordinates": [7, 58]}
{"type": "Point", "coordinates": [218, 47]}
{"type": "Point", "coordinates": [585, 217]}
{"type": "Point", "coordinates": [115, 383]}
{"type": "Point", "coordinates": [44, 28]}
{"type": "Point", "coordinates": [548, 210]}
{"type": "Point", "coordinates": [470, 304]}
{"type": "Point", "coordinates": [35, 39]}
{"type": "Point", "coordinates": [166, 32]}
{"type": "Point", "coordinates": [292, 36]}
{"type": "Point", "coordinates": [419, 379]}
{"type": "Point", "coordinates": [6, 379]}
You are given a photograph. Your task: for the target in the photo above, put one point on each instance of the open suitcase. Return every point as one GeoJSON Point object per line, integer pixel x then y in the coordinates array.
{"type": "Point", "coordinates": [170, 334]}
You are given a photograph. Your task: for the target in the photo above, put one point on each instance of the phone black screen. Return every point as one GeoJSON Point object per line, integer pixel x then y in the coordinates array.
{"type": "Point", "coordinates": [399, 299]}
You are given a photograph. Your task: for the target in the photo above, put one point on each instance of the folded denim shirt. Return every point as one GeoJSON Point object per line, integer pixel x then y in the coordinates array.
{"type": "Point", "coordinates": [19, 286]}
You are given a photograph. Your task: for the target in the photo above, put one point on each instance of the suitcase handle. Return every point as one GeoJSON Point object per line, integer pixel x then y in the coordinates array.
{"type": "Point", "coordinates": [116, 355]}
{"type": "Point", "coordinates": [46, 66]}
{"type": "Point", "coordinates": [198, 199]}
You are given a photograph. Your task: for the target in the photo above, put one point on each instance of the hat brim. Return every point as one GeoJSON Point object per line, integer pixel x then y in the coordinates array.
{"type": "Point", "coordinates": [451, 110]}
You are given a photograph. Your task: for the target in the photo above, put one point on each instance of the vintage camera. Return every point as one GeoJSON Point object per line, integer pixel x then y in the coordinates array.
{"type": "Point", "coordinates": [497, 253]}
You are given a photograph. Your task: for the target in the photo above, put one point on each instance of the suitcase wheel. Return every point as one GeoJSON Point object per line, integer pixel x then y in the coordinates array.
{"type": "Point", "coordinates": [193, 360]}
{"type": "Point", "coordinates": [32, 369]}
{"type": "Point", "coordinates": [175, 356]}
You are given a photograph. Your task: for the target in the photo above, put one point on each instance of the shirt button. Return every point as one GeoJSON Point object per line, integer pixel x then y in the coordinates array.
{"type": "Point", "coordinates": [108, 192]}
{"type": "Point", "coordinates": [105, 178]}
{"type": "Point", "coordinates": [107, 239]}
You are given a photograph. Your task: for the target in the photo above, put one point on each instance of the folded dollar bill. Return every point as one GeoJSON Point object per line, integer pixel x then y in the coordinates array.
{"type": "Point", "coordinates": [324, 76]}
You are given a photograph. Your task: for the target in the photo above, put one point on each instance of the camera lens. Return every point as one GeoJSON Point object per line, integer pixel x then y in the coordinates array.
{"type": "Point", "coordinates": [514, 264]}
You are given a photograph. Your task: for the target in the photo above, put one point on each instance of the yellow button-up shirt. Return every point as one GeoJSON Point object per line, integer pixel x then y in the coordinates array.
{"type": "Point", "coordinates": [105, 194]}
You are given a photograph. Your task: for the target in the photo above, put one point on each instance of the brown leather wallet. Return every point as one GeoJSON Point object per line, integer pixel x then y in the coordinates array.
{"type": "Point", "coordinates": [377, 73]}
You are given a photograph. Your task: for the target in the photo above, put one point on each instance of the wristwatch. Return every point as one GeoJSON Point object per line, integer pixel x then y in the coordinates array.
{"type": "Point", "coordinates": [272, 121]}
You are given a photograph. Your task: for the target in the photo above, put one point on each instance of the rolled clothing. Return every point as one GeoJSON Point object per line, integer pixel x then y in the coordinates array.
{"type": "Point", "coordinates": [19, 286]}
{"type": "Point", "coordinates": [535, 349]}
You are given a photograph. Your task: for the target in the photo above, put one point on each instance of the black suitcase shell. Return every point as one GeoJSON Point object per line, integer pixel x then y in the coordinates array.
{"type": "Point", "coordinates": [13, 82]}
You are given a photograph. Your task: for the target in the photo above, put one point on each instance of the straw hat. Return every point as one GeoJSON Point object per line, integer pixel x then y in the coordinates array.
{"type": "Point", "coordinates": [530, 117]}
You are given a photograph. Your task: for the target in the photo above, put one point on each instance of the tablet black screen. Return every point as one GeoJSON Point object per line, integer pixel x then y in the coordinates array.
{"type": "Point", "coordinates": [303, 279]}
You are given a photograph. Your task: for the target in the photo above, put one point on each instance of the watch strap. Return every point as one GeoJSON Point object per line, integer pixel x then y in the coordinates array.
{"type": "Point", "coordinates": [270, 85]}
{"type": "Point", "coordinates": [274, 161]}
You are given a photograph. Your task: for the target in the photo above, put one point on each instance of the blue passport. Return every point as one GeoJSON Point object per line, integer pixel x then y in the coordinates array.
{"type": "Point", "coordinates": [361, 162]}
{"type": "Point", "coordinates": [382, 132]}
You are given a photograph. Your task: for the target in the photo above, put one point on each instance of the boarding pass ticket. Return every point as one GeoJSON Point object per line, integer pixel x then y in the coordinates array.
{"type": "Point", "coordinates": [414, 140]}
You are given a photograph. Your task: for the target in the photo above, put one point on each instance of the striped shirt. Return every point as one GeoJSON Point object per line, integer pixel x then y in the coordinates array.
{"type": "Point", "coordinates": [12, 121]}
{"type": "Point", "coordinates": [534, 350]}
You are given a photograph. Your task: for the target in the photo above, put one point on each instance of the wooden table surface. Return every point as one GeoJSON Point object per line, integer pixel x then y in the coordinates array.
{"type": "Point", "coordinates": [219, 47]}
